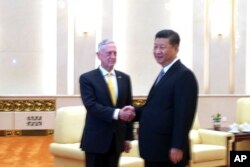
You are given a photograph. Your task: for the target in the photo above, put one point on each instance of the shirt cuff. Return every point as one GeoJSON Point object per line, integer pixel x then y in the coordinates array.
{"type": "Point", "coordinates": [116, 114]}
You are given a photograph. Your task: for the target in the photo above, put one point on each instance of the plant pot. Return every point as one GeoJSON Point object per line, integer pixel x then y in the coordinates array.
{"type": "Point", "coordinates": [217, 125]}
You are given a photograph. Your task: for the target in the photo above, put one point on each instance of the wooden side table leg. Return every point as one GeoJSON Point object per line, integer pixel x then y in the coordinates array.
{"type": "Point", "coordinates": [234, 146]}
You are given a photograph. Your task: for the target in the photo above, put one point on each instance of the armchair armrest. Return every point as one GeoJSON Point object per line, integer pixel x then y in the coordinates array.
{"type": "Point", "coordinates": [216, 137]}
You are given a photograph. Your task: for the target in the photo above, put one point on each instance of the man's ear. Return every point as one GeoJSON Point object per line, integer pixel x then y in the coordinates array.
{"type": "Point", "coordinates": [98, 55]}
{"type": "Point", "coordinates": [177, 48]}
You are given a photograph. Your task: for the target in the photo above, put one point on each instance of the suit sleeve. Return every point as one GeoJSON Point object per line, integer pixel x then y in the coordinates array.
{"type": "Point", "coordinates": [89, 98]}
{"type": "Point", "coordinates": [186, 94]}
{"type": "Point", "coordinates": [129, 129]}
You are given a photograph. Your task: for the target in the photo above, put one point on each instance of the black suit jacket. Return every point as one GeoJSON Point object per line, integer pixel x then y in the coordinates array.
{"type": "Point", "coordinates": [167, 116]}
{"type": "Point", "coordinates": [100, 127]}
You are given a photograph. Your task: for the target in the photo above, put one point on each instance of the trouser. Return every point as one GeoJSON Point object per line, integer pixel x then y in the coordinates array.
{"type": "Point", "coordinates": [108, 159]}
{"type": "Point", "coordinates": [163, 164]}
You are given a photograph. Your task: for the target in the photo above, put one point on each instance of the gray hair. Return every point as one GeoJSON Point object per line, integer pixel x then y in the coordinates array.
{"type": "Point", "coordinates": [103, 43]}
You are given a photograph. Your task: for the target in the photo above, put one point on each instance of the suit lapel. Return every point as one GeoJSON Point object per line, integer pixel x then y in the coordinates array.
{"type": "Point", "coordinates": [100, 79]}
{"type": "Point", "coordinates": [165, 77]}
{"type": "Point", "coordinates": [120, 86]}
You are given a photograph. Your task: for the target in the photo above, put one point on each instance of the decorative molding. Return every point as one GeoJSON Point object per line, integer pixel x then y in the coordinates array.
{"type": "Point", "coordinates": [139, 102]}
{"type": "Point", "coordinates": [36, 105]}
{"type": "Point", "coordinates": [27, 105]}
{"type": "Point", "coordinates": [7, 133]}
{"type": "Point", "coordinates": [44, 132]}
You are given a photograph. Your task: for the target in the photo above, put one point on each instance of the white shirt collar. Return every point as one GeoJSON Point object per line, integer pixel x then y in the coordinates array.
{"type": "Point", "coordinates": [166, 68]}
{"type": "Point", "coordinates": [105, 72]}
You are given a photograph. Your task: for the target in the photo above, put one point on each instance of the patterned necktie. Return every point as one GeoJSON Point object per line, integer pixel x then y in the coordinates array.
{"type": "Point", "coordinates": [159, 76]}
{"type": "Point", "coordinates": [111, 88]}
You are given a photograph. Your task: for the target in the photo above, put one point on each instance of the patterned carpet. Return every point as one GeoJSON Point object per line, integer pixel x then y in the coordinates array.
{"type": "Point", "coordinates": [25, 151]}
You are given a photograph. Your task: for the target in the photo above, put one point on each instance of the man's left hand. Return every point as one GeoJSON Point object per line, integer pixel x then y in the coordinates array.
{"type": "Point", "coordinates": [175, 155]}
{"type": "Point", "coordinates": [127, 146]}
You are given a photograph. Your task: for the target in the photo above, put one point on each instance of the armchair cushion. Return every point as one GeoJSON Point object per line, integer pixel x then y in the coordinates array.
{"type": "Point", "coordinates": [207, 152]}
{"type": "Point", "coordinates": [131, 162]}
{"type": "Point", "coordinates": [67, 150]}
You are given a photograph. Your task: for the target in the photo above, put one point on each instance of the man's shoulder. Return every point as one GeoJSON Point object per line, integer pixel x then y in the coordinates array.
{"type": "Point", "coordinates": [182, 67]}
{"type": "Point", "coordinates": [121, 73]}
{"type": "Point", "coordinates": [90, 73]}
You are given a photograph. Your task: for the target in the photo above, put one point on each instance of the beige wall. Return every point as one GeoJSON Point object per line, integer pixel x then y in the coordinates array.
{"type": "Point", "coordinates": [220, 62]}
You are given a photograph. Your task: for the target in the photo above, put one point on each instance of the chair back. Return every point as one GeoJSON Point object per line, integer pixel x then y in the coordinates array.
{"type": "Point", "coordinates": [194, 134]}
{"type": "Point", "coordinates": [196, 123]}
{"type": "Point", "coordinates": [69, 124]}
{"type": "Point", "coordinates": [243, 110]}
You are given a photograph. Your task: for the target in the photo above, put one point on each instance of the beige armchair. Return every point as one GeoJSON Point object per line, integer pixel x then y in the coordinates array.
{"type": "Point", "coordinates": [69, 123]}
{"type": "Point", "coordinates": [209, 148]}
{"type": "Point", "coordinates": [243, 116]}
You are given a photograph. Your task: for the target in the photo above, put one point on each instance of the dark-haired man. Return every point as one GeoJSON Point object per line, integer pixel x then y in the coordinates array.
{"type": "Point", "coordinates": [166, 118]}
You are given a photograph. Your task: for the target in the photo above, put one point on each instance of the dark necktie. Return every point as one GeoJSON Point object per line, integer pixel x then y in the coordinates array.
{"type": "Point", "coordinates": [159, 76]}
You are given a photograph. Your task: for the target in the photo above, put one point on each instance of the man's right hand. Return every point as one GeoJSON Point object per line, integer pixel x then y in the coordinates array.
{"type": "Point", "coordinates": [127, 113]}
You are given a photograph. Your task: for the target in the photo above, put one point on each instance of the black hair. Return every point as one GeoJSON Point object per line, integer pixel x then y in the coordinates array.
{"type": "Point", "coordinates": [173, 36]}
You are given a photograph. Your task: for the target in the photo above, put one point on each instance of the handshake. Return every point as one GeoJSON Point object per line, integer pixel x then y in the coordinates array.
{"type": "Point", "coordinates": [127, 113]}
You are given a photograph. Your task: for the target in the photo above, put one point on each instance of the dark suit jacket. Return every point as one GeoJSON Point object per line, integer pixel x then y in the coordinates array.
{"type": "Point", "coordinates": [167, 116]}
{"type": "Point", "coordinates": [100, 125]}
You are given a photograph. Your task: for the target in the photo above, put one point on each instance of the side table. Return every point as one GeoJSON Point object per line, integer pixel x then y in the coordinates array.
{"type": "Point", "coordinates": [237, 136]}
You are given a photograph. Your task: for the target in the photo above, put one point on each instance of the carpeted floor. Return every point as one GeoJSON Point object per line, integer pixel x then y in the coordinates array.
{"type": "Point", "coordinates": [25, 151]}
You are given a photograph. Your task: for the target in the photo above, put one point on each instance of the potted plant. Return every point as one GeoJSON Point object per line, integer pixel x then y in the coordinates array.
{"type": "Point", "coordinates": [216, 121]}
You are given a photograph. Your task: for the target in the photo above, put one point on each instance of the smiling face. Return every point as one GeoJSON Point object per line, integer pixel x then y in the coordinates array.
{"type": "Point", "coordinates": [164, 52]}
{"type": "Point", "coordinates": [107, 56]}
